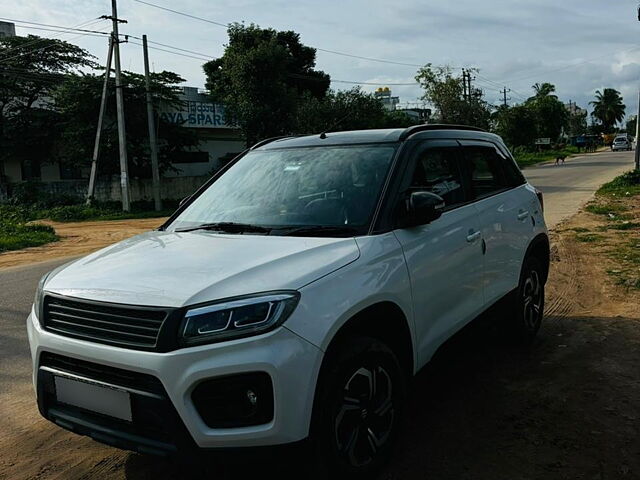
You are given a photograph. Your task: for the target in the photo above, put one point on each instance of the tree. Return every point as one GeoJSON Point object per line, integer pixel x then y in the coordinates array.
{"type": "Point", "coordinates": [30, 69]}
{"type": "Point", "coordinates": [630, 127]}
{"type": "Point", "coordinates": [517, 125]}
{"type": "Point", "coordinates": [78, 102]}
{"type": "Point", "coordinates": [262, 77]}
{"type": "Point", "coordinates": [446, 93]}
{"type": "Point", "coordinates": [577, 123]}
{"type": "Point", "coordinates": [608, 108]}
{"type": "Point", "coordinates": [346, 110]}
{"type": "Point", "coordinates": [542, 90]}
{"type": "Point", "coordinates": [551, 115]}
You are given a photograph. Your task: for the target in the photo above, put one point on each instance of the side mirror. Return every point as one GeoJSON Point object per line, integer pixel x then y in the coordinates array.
{"type": "Point", "coordinates": [423, 207]}
{"type": "Point", "coordinates": [182, 202]}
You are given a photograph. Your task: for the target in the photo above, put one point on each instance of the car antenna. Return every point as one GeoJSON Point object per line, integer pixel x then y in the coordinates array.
{"type": "Point", "coordinates": [323, 135]}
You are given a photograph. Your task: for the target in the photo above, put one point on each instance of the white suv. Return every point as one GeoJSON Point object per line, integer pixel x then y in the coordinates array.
{"type": "Point", "coordinates": [293, 296]}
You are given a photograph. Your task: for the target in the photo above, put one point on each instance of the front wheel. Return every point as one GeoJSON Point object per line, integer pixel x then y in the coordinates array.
{"type": "Point", "coordinates": [359, 407]}
{"type": "Point", "coordinates": [529, 302]}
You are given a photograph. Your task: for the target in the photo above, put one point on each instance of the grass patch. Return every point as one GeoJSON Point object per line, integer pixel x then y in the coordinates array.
{"type": "Point", "coordinates": [628, 257]}
{"type": "Point", "coordinates": [624, 226]}
{"type": "Point", "coordinates": [589, 238]}
{"type": "Point", "coordinates": [14, 236]}
{"type": "Point", "coordinates": [526, 159]}
{"type": "Point", "coordinates": [579, 229]}
{"type": "Point", "coordinates": [606, 208]}
{"type": "Point", "coordinates": [626, 185]}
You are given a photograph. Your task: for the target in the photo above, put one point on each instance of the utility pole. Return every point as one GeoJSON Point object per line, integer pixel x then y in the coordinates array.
{"type": "Point", "coordinates": [505, 90]}
{"type": "Point", "coordinates": [637, 152]}
{"type": "Point", "coordinates": [464, 84]}
{"type": "Point", "coordinates": [122, 135]}
{"type": "Point", "coordinates": [153, 141]}
{"type": "Point", "coordinates": [103, 107]}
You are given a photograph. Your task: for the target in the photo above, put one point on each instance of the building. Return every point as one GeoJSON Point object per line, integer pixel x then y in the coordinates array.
{"type": "Point", "coordinates": [219, 143]}
{"type": "Point", "coordinates": [384, 95]}
{"type": "Point", "coordinates": [574, 109]}
{"type": "Point", "coordinates": [7, 29]}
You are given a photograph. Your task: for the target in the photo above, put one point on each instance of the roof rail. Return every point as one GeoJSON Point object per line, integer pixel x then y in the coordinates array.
{"type": "Point", "coordinates": [268, 140]}
{"type": "Point", "coordinates": [436, 126]}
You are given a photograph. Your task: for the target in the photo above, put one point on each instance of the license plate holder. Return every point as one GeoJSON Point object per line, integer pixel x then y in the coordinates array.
{"type": "Point", "coordinates": [94, 397]}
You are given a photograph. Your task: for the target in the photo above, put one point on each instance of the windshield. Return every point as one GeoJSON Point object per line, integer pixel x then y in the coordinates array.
{"type": "Point", "coordinates": [320, 187]}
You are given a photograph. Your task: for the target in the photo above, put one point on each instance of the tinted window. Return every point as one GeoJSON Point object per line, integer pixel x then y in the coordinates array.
{"type": "Point", "coordinates": [325, 186]}
{"type": "Point", "coordinates": [484, 169]}
{"type": "Point", "coordinates": [437, 170]}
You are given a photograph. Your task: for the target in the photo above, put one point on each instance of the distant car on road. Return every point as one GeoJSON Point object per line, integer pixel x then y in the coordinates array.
{"type": "Point", "coordinates": [621, 142]}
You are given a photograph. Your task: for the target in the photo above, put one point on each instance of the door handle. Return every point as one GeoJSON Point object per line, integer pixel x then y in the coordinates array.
{"type": "Point", "coordinates": [473, 236]}
{"type": "Point", "coordinates": [523, 214]}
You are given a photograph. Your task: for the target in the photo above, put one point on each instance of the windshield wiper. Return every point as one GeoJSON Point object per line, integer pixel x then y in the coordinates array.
{"type": "Point", "coordinates": [228, 227]}
{"type": "Point", "coordinates": [321, 230]}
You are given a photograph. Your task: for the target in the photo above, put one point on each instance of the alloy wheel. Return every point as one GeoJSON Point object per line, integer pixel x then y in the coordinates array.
{"type": "Point", "coordinates": [366, 415]}
{"type": "Point", "coordinates": [532, 298]}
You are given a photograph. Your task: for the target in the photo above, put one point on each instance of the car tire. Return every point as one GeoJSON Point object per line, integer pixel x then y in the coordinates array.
{"type": "Point", "coordinates": [358, 408]}
{"type": "Point", "coordinates": [528, 304]}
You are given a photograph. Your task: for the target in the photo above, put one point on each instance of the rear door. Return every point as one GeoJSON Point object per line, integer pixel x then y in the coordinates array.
{"type": "Point", "coordinates": [502, 200]}
{"type": "Point", "coordinates": [444, 258]}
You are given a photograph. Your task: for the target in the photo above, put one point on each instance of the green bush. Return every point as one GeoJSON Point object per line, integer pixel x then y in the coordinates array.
{"type": "Point", "coordinates": [14, 236]}
{"type": "Point", "coordinates": [32, 193]}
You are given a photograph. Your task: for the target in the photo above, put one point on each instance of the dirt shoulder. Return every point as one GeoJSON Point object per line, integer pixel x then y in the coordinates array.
{"type": "Point", "coordinates": [568, 407]}
{"type": "Point", "coordinates": [79, 238]}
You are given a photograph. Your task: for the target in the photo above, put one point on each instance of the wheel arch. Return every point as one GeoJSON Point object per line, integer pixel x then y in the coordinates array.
{"type": "Point", "coordinates": [372, 321]}
{"type": "Point", "coordinates": [540, 248]}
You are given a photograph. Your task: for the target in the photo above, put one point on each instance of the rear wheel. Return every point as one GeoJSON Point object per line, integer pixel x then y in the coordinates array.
{"type": "Point", "coordinates": [529, 302]}
{"type": "Point", "coordinates": [359, 407]}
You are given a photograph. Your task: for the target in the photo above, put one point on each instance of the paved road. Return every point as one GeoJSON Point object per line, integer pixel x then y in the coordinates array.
{"type": "Point", "coordinates": [565, 188]}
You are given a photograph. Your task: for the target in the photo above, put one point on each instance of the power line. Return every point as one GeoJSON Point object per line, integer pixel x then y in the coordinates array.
{"type": "Point", "coordinates": [225, 25]}
{"type": "Point", "coordinates": [42, 39]}
{"type": "Point", "coordinates": [94, 33]}
{"type": "Point", "coordinates": [172, 52]}
{"type": "Point", "coordinates": [47, 25]}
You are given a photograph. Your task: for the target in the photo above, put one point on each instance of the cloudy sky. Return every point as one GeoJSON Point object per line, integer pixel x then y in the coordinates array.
{"type": "Point", "coordinates": [579, 45]}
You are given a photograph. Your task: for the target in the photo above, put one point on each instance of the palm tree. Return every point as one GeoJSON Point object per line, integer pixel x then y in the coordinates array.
{"type": "Point", "coordinates": [544, 90]}
{"type": "Point", "coordinates": [608, 108]}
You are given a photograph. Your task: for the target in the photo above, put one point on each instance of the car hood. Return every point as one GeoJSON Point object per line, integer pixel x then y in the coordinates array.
{"type": "Point", "coordinates": [177, 269]}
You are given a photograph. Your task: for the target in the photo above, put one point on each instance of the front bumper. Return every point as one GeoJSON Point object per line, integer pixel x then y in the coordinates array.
{"type": "Point", "coordinates": [291, 362]}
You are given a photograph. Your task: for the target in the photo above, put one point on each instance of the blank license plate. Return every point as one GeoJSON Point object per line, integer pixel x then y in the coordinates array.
{"type": "Point", "coordinates": [96, 398]}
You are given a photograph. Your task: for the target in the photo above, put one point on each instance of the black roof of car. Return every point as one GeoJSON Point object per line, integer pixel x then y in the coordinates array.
{"type": "Point", "coordinates": [388, 135]}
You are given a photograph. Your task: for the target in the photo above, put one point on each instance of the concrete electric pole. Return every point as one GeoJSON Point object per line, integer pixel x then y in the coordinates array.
{"type": "Point", "coordinates": [122, 135]}
{"type": "Point", "coordinates": [153, 142]}
{"type": "Point", "coordinates": [637, 152]}
{"type": "Point", "coordinates": [103, 107]}
{"type": "Point", "coordinates": [505, 90]}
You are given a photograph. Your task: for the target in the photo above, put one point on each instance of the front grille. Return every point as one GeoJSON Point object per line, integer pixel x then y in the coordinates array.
{"type": "Point", "coordinates": [102, 373]}
{"type": "Point", "coordinates": [126, 326]}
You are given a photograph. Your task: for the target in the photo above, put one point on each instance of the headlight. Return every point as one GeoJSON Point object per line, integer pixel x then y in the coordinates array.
{"type": "Point", "coordinates": [238, 317]}
{"type": "Point", "coordinates": [38, 300]}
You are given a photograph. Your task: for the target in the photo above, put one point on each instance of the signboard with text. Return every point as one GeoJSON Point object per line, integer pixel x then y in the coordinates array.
{"type": "Point", "coordinates": [196, 114]}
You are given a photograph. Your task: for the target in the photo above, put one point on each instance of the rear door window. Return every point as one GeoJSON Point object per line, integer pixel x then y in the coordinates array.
{"type": "Point", "coordinates": [484, 169]}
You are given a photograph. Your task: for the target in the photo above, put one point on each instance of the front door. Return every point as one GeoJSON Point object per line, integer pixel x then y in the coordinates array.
{"type": "Point", "coordinates": [444, 258]}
